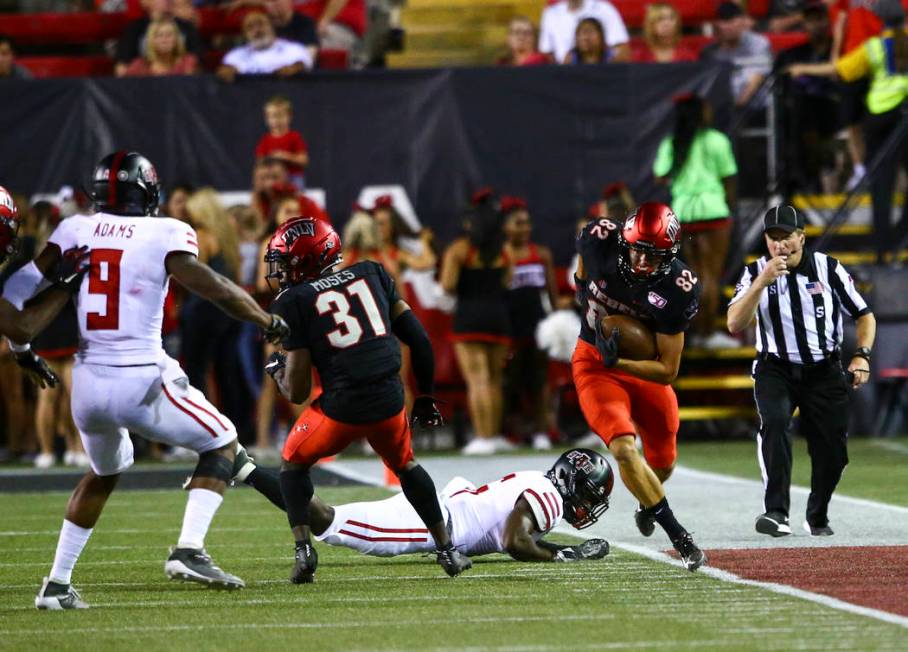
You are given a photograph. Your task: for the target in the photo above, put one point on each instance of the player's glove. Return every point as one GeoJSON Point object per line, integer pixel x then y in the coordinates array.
{"type": "Point", "coordinates": [278, 330]}
{"type": "Point", "coordinates": [608, 346]}
{"type": "Point", "coordinates": [277, 361]}
{"type": "Point", "coordinates": [36, 369]}
{"type": "Point", "coordinates": [70, 269]}
{"type": "Point", "coordinates": [591, 549]}
{"type": "Point", "coordinates": [425, 412]}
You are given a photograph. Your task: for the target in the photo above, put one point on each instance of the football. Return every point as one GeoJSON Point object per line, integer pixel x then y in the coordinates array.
{"type": "Point", "coordinates": [635, 342]}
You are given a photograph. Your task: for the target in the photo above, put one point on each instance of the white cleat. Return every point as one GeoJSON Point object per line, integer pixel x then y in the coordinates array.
{"type": "Point", "coordinates": [58, 597]}
{"type": "Point", "coordinates": [191, 565]}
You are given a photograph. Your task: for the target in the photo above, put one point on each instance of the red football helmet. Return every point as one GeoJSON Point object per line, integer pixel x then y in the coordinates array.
{"type": "Point", "coordinates": [9, 225]}
{"type": "Point", "coordinates": [651, 238]}
{"type": "Point", "coordinates": [301, 249]}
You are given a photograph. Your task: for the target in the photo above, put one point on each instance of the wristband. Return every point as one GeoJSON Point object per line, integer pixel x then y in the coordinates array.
{"type": "Point", "coordinates": [18, 348]}
{"type": "Point", "coordinates": [862, 352]}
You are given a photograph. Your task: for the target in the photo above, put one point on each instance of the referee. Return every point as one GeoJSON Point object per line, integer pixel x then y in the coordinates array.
{"type": "Point", "coordinates": [798, 298]}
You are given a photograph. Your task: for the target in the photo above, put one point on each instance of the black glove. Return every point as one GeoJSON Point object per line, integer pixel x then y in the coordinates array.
{"type": "Point", "coordinates": [276, 362]}
{"type": "Point", "coordinates": [36, 369]}
{"type": "Point", "coordinates": [591, 549]}
{"type": "Point", "coordinates": [278, 330]}
{"type": "Point", "coordinates": [425, 412]}
{"type": "Point", "coordinates": [608, 346]}
{"type": "Point", "coordinates": [70, 269]}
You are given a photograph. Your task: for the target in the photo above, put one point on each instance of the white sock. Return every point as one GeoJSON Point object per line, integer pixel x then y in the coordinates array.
{"type": "Point", "coordinates": [200, 509]}
{"type": "Point", "coordinates": [72, 540]}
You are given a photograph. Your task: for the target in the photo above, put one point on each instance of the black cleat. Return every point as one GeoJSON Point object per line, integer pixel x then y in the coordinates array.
{"type": "Point", "coordinates": [773, 523]}
{"type": "Point", "coordinates": [191, 565]}
{"type": "Point", "coordinates": [691, 556]}
{"type": "Point", "coordinates": [818, 530]}
{"type": "Point", "coordinates": [305, 564]}
{"type": "Point", "coordinates": [453, 561]}
{"type": "Point", "coordinates": [646, 521]}
{"type": "Point", "coordinates": [57, 597]}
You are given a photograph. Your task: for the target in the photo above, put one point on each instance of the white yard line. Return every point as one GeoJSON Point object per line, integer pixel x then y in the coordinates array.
{"type": "Point", "coordinates": [795, 489]}
{"type": "Point", "coordinates": [891, 446]}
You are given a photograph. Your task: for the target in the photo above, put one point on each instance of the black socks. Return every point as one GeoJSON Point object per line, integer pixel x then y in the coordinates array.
{"type": "Point", "coordinates": [666, 519]}
{"type": "Point", "coordinates": [419, 489]}
{"type": "Point", "coordinates": [268, 483]}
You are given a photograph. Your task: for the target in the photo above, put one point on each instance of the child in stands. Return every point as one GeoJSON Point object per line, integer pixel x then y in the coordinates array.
{"type": "Point", "coordinates": [283, 143]}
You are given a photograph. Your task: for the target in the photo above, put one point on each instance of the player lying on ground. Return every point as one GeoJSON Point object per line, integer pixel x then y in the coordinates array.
{"type": "Point", "coordinates": [633, 269]}
{"type": "Point", "coordinates": [123, 381]}
{"type": "Point", "coordinates": [22, 324]}
{"type": "Point", "coordinates": [510, 515]}
{"type": "Point", "coordinates": [347, 325]}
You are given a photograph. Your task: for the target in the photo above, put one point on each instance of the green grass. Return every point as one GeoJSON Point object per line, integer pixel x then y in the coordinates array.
{"type": "Point", "coordinates": [877, 469]}
{"type": "Point", "coordinates": [360, 603]}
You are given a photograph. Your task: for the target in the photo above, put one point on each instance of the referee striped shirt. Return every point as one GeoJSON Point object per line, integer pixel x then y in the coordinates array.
{"type": "Point", "coordinates": [799, 318]}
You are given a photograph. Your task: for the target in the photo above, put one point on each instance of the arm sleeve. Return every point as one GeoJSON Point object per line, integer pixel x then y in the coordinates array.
{"type": "Point", "coordinates": [412, 333]}
{"type": "Point", "coordinates": [843, 285]}
{"type": "Point", "coordinates": [663, 163]}
{"type": "Point", "coordinates": [23, 285]}
{"type": "Point", "coordinates": [182, 238]}
{"type": "Point", "coordinates": [744, 283]}
{"type": "Point", "coordinates": [287, 306]}
{"type": "Point", "coordinates": [854, 65]}
{"type": "Point", "coordinates": [615, 30]}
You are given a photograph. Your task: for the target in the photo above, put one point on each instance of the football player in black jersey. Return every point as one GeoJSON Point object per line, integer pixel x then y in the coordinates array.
{"type": "Point", "coordinates": [347, 325]}
{"type": "Point", "coordinates": [633, 269]}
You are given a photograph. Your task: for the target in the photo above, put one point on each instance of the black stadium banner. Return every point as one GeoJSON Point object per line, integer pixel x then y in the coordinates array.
{"type": "Point", "coordinates": [555, 135]}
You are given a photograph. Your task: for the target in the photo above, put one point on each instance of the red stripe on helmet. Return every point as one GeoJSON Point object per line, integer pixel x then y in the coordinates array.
{"type": "Point", "coordinates": [112, 178]}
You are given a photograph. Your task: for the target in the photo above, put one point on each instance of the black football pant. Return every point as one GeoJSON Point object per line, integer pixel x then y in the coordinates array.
{"type": "Point", "coordinates": [821, 392]}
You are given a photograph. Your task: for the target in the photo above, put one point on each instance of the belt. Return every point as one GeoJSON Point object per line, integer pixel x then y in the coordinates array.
{"type": "Point", "coordinates": [798, 369]}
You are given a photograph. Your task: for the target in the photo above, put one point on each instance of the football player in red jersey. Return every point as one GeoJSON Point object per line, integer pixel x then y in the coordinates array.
{"type": "Point", "coordinates": [347, 324]}
{"type": "Point", "coordinates": [633, 269]}
{"type": "Point", "coordinates": [23, 324]}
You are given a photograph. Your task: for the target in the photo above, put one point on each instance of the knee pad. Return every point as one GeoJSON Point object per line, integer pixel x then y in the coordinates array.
{"type": "Point", "coordinates": [213, 465]}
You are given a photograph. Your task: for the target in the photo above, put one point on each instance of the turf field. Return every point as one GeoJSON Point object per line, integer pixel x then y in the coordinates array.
{"type": "Point", "coordinates": [626, 601]}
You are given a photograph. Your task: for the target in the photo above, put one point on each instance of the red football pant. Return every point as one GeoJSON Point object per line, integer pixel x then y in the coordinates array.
{"type": "Point", "coordinates": [616, 403]}
{"type": "Point", "coordinates": [316, 435]}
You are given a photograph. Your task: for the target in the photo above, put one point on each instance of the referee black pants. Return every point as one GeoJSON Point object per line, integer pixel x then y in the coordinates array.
{"type": "Point", "coordinates": [821, 392]}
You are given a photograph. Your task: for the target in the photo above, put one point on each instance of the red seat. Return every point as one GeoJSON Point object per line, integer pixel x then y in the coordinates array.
{"type": "Point", "coordinates": [87, 66]}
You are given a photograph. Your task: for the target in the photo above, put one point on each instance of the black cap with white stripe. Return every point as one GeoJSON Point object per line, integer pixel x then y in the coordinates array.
{"type": "Point", "coordinates": [784, 218]}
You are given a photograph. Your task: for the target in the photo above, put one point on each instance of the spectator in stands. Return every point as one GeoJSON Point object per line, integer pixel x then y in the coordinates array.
{"type": "Point", "coordinates": [288, 23]}
{"type": "Point", "coordinates": [853, 23]}
{"type": "Point", "coordinates": [477, 271]}
{"type": "Point", "coordinates": [165, 53]}
{"type": "Point", "coordinates": [185, 10]}
{"type": "Point", "coordinates": [341, 24]}
{"type": "Point", "coordinates": [662, 37]}
{"type": "Point", "coordinates": [559, 25]}
{"type": "Point", "coordinates": [9, 69]}
{"type": "Point", "coordinates": [264, 53]}
{"type": "Point", "coordinates": [392, 228]}
{"type": "Point", "coordinates": [590, 45]}
{"type": "Point", "coordinates": [283, 143]}
{"type": "Point", "coordinates": [133, 41]}
{"type": "Point", "coordinates": [176, 201]}
{"type": "Point", "coordinates": [522, 45]}
{"type": "Point", "coordinates": [884, 59]}
{"type": "Point", "coordinates": [736, 43]}
{"type": "Point", "coordinates": [809, 120]}
{"type": "Point", "coordinates": [208, 337]}
{"type": "Point", "coordinates": [698, 162]}
{"type": "Point", "coordinates": [531, 295]}
{"type": "Point", "coordinates": [786, 15]}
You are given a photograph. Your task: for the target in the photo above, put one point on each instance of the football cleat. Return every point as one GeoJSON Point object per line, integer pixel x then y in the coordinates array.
{"type": "Point", "coordinates": [646, 521]}
{"type": "Point", "coordinates": [818, 530]}
{"type": "Point", "coordinates": [191, 565]}
{"type": "Point", "coordinates": [243, 465]}
{"type": "Point", "coordinates": [54, 596]}
{"type": "Point", "coordinates": [773, 524]}
{"type": "Point", "coordinates": [305, 564]}
{"type": "Point", "coordinates": [453, 561]}
{"type": "Point", "coordinates": [691, 556]}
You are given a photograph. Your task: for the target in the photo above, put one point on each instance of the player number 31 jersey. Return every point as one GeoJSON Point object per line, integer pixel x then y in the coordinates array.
{"type": "Point", "coordinates": [121, 300]}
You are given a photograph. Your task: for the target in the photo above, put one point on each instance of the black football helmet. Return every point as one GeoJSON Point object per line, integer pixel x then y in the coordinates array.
{"type": "Point", "coordinates": [125, 183]}
{"type": "Point", "coordinates": [585, 480]}
{"type": "Point", "coordinates": [9, 225]}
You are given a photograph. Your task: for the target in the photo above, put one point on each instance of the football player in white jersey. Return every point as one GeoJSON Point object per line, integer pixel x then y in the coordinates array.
{"type": "Point", "coordinates": [510, 515]}
{"type": "Point", "coordinates": [22, 324]}
{"type": "Point", "coordinates": [123, 381]}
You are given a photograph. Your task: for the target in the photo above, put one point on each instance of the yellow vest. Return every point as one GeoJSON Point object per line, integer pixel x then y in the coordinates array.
{"type": "Point", "coordinates": [887, 90]}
